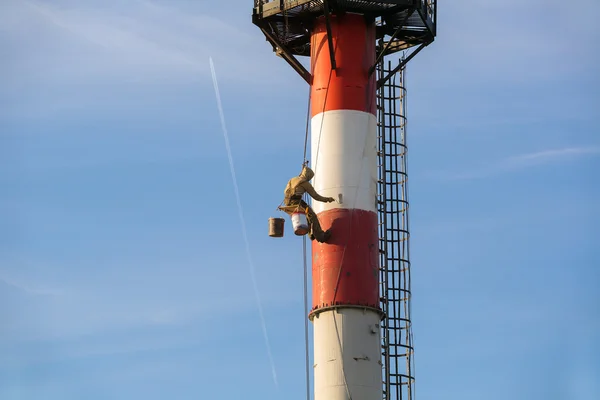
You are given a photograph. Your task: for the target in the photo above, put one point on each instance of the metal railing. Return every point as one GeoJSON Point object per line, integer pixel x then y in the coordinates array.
{"type": "Point", "coordinates": [396, 328]}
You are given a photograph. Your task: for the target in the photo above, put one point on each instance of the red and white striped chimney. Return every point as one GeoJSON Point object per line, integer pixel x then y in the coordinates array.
{"type": "Point", "coordinates": [345, 314]}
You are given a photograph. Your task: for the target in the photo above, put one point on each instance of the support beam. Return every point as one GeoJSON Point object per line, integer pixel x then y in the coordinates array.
{"type": "Point", "coordinates": [425, 21]}
{"type": "Point", "coordinates": [388, 44]}
{"type": "Point", "coordinates": [275, 7]}
{"type": "Point", "coordinates": [289, 57]}
{"type": "Point", "coordinates": [329, 37]}
{"type": "Point", "coordinates": [401, 65]}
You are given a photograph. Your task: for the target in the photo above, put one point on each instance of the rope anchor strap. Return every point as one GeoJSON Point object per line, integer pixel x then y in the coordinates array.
{"type": "Point", "coordinates": [293, 209]}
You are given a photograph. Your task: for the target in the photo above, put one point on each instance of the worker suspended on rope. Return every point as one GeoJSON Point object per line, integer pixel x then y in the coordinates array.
{"type": "Point", "coordinates": [296, 187]}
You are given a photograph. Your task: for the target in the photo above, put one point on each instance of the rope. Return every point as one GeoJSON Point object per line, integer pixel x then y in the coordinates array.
{"type": "Point", "coordinates": [370, 99]}
{"type": "Point", "coordinates": [307, 125]}
{"type": "Point", "coordinates": [306, 343]}
{"type": "Point", "coordinates": [352, 212]}
{"type": "Point", "coordinates": [304, 243]}
{"type": "Point", "coordinates": [306, 339]}
{"type": "Point", "coordinates": [304, 251]}
{"type": "Point", "coordinates": [322, 112]}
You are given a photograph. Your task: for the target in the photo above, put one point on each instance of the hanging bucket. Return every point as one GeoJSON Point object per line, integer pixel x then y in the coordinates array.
{"type": "Point", "coordinates": [299, 223]}
{"type": "Point", "coordinates": [276, 227]}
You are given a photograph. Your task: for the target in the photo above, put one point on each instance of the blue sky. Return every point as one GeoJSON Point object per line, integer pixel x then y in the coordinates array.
{"type": "Point", "coordinates": [122, 265]}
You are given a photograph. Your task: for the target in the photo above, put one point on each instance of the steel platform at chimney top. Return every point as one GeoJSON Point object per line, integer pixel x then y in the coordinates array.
{"type": "Point", "coordinates": [405, 23]}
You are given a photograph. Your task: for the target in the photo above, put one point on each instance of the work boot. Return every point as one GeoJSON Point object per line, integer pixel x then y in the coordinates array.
{"type": "Point", "coordinates": [324, 237]}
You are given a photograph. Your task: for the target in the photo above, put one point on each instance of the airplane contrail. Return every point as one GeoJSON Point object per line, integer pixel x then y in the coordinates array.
{"type": "Point", "coordinates": [243, 223]}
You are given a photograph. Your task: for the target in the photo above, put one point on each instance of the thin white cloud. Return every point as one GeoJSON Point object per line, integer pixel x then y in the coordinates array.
{"type": "Point", "coordinates": [139, 41]}
{"type": "Point", "coordinates": [524, 161]}
{"type": "Point", "coordinates": [516, 41]}
{"type": "Point", "coordinates": [461, 226]}
{"type": "Point", "coordinates": [99, 56]}
{"type": "Point", "coordinates": [101, 297]}
{"type": "Point", "coordinates": [546, 156]}
{"type": "Point", "coordinates": [102, 309]}
{"type": "Point", "coordinates": [30, 289]}
{"type": "Point", "coordinates": [495, 62]}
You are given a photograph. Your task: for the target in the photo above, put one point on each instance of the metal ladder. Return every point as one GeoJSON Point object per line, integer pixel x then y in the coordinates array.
{"type": "Point", "coordinates": [392, 200]}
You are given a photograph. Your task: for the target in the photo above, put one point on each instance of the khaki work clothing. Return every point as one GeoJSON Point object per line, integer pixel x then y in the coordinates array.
{"type": "Point", "coordinates": [295, 189]}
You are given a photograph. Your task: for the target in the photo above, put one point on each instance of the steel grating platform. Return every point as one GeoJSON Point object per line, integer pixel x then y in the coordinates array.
{"type": "Point", "coordinates": [407, 23]}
